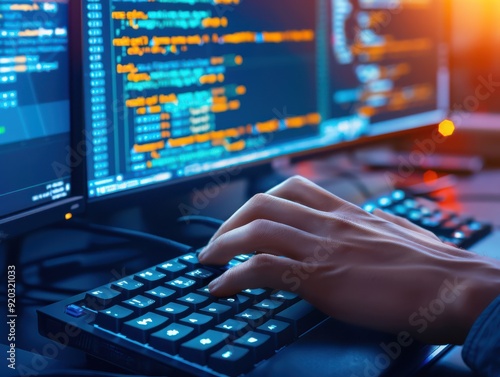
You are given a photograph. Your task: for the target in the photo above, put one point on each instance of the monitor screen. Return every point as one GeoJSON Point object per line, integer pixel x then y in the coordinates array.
{"type": "Point", "coordinates": [180, 88]}
{"type": "Point", "coordinates": [34, 105]}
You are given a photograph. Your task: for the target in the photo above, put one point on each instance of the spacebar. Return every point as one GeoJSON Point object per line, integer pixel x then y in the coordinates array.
{"type": "Point", "coordinates": [302, 316]}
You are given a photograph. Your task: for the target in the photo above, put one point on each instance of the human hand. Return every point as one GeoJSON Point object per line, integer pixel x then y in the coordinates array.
{"type": "Point", "coordinates": [373, 270]}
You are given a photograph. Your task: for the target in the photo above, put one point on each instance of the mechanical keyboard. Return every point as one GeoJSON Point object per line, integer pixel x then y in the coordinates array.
{"type": "Point", "coordinates": [163, 320]}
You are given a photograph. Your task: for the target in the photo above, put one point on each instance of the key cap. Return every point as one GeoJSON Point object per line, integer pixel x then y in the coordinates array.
{"type": "Point", "coordinates": [182, 285]}
{"type": "Point", "coordinates": [190, 260]}
{"type": "Point", "coordinates": [287, 298]}
{"type": "Point", "coordinates": [218, 311]}
{"type": "Point", "coordinates": [253, 317]}
{"type": "Point", "coordinates": [238, 302]}
{"type": "Point", "coordinates": [173, 311]}
{"type": "Point", "coordinates": [234, 328]}
{"type": "Point", "coordinates": [199, 322]}
{"type": "Point", "coordinates": [139, 304]}
{"type": "Point", "coordinates": [302, 316]}
{"type": "Point", "coordinates": [260, 345]}
{"type": "Point", "coordinates": [256, 294]}
{"type": "Point", "coordinates": [201, 276]}
{"type": "Point", "coordinates": [280, 332]}
{"type": "Point", "coordinates": [101, 298]}
{"type": "Point", "coordinates": [269, 306]}
{"type": "Point", "coordinates": [140, 328]}
{"type": "Point", "coordinates": [244, 257]}
{"type": "Point", "coordinates": [170, 338]}
{"type": "Point", "coordinates": [151, 278]}
{"type": "Point", "coordinates": [128, 286]}
{"type": "Point", "coordinates": [198, 349]}
{"type": "Point", "coordinates": [204, 291]}
{"type": "Point", "coordinates": [112, 319]}
{"type": "Point", "coordinates": [172, 269]}
{"type": "Point", "coordinates": [193, 300]}
{"type": "Point", "coordinates": [231, 360]}
{"type": "Point", "coordinates": [161, 295]}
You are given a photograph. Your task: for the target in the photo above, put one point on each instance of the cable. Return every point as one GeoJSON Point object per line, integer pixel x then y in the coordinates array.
{"type": "Point", "coordinates": [128, 234]}
{"type": "Point", "coordinates": [202, 220]}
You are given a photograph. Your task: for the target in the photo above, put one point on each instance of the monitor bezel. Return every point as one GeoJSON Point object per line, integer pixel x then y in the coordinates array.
{"type": "Point", "coordinates": [25, 221]}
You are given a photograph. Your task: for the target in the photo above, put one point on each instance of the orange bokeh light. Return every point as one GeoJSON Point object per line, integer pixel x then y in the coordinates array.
{"type": "Point", "coordinates": [446, 128]}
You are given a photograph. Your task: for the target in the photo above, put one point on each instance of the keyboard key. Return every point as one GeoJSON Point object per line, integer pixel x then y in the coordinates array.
{"type": "Point", "coordinates": [140, 304]}
{"type": "Point", "coordinates": [244, 257]}
{"type": "Point", "coordinates": [172, 269]}
{"type": "Point", "coordinates": [302, 316]}
{"type": "Point", "coordinates": [201, 276]}
{"type": "Point", "coordinates": [198, 349]}
{"type": "Point", "coordinates": [101, 298]}
{"type": "Point", "coordinates": [238, 302]}
{"type": "Point", "coordinates": [218, 311]}
{"type": "Point", "coordinates": [256, 294]}
{"type": "Point", "coordinates": [128, 286]}
{"type": "Point", "coordinates": [170, 338]}
{"type": "Point", "coordinates": [190, 260]}
{"type": "Point", "coordinates": [260, 345]}
{"type": "Point", "coordinates": [161, 294]}
{"type": "Point", "coordinates": [281, 332]}
{"type": "Point", "coordinates": [173, 311]}
{"type": "Point", "coordinates": [231, 360]}
{"type": "Point", "coordinates": [253, 317]}
{"type": "Point", "coordinates": [288, 298]}
{"type": "Point", "coordinates": [232, 263]}
{"type": "Point", "coordinates": [199, 322]}
{"type": "Point", "coordinates": [151, 278]}
{"type": "Point", "coordinates": [204, 291]}
{"type": "Point", "coordinates": [140, 328]}
{"type": "Point", "coordinates": [193, 300]}
{"type": "Point", "coordinates": [112, 319]}
{"type": "Point", "coordinates": [233, 327]}
{"type": "Point", "coordinates": [182, 285]}
{"type": "Point", "coordinates": [270, 306]}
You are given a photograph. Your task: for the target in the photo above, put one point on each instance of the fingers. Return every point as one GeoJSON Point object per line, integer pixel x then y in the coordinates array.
{"type": "Point", "coordinates": [262, 271]}
{"type": "Point", "coordinates": [267, 207]}
{"type": "Point", "coordinates": [404, 223]}
{"type": "Point", "coordinates": [300, 190]}
{"type": "Point", "coordinates": [262, 236]}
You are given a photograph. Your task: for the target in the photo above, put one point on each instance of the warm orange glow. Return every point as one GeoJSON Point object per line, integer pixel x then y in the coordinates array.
{"type": "Point", "coordinates": [68, 216]}
{"type": "Point", "coordinates": [430, 177]}
{"type": "Point", "coordinates": [446, 128]}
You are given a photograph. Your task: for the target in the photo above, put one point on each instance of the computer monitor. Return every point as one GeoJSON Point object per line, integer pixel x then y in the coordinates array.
{"type": "Point", "coordinates": [35, 162]}
{"type": "Point", "coordinates": [177, 89]}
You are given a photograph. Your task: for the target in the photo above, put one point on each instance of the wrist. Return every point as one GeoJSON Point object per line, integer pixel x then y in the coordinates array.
{"type": "Point", "coordinates": [480, 283]}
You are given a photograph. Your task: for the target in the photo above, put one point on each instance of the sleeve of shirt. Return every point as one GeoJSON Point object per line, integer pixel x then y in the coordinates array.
{"type": "Point", "coordinates": [481, 350]}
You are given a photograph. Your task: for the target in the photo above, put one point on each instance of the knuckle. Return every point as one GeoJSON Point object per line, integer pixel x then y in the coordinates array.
{"type": "Point", "coordinates": [259, 200]}
{"type": "Point", "coordinates": [297, 180]}
{"type": "Point", "coordinates": [262, 262]}
{"type": "Point", "coordinates": [259, 228]}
